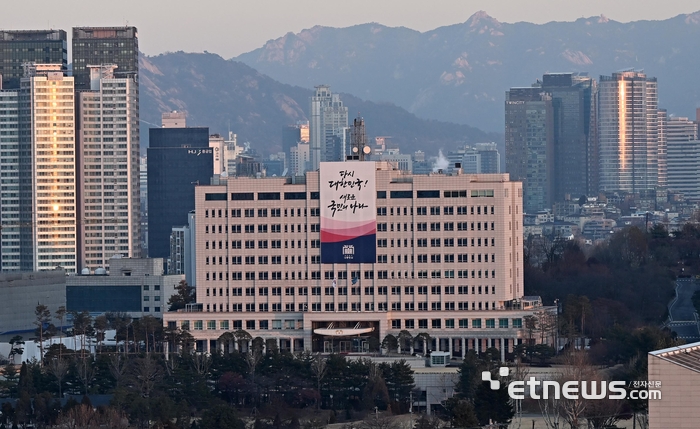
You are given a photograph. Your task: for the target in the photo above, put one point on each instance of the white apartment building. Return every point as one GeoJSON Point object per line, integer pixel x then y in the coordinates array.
{"type": "Point", "coordinates": [628, 130]}
{"type": "Point", "coordinates": [327, 127]}
{"type": "Point", "coordinates": [9, 180]}
{"type": "Point", "coordinates": [683, 153]}
{"type": "Point", "coordinates": [109, 169]}
{"type": "Point", "coordinates": [448, 263]}
{"type": "Point", "coordinates": [48, 213]}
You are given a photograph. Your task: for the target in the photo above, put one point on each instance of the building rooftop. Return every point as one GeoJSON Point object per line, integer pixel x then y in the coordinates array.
{"type": "Point", "coordinates": [687, 356]}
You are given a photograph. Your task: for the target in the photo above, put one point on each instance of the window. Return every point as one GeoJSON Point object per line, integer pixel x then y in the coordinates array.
{"type": "Point", "coordinates": [409, 323]}
{"type": "Point", "coordinates": [198, 325]}
{"type": "Point", "coordinates": [211, 325]}
{"type": "Point", "coordinates": [381, 227]}
{"type": "Point", "coordinates": [435, 290]}
{"type": "Point", "coordinates": [422, 290]}
{"type": "Point", "coordinates": [421, 211]}
{"type": "Point", "coordinates": [435, 211]}
{"type": "Point", "coordinates": [428, 194]}
{"type": "Point", "coordinates": [435, 226]}
{"type": "Point", "coordinates": [396, 290]}
{"type": "Point", "coordinates": [249, 212]}
{"type": "Point", "coordinates": [422, 226]}
{"type": "Point", "coordinates": [464, 323]}
{"type": "Point", "coordinates": [436, 323]}
{"type": "Point", "coordinates": [449, 210]}
{"type": "Point", "coordinates": [401, 194]}
{"type": "Point", "coordinates": [381, 211]}
{"type": "Point", "coordinates": [476, 323]}
{"type": "Point", "coordinates": [422, 323]}
{"type": "Point", "coordinates": [435, 259]}
{"type": "Point", "coordinates": [395, 323]}
{"type": "Point", "coordinates": [490, 323]}
{"type": "Point", "coordinates": [263, 324]}
{"type": "Point", "coordinates": [435, 306]}
{"type": "Point", "coordinates": [503, 323]}
{"type": "Point", "coordinates": [517, 323]}
{"type": "Point", "coordinates": [408, 290]}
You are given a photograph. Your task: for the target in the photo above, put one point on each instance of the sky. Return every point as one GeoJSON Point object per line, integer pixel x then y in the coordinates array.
{"type": "Point", "coordinates": [232, 27]}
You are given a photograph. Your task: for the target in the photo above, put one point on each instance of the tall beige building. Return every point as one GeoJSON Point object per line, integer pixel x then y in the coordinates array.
{"type": "Point", "coordinates": [448, 263]}
{"type": "Point", "coordinates": [108, 169]}
{"type": "Point", "coordinates": [48, 213]}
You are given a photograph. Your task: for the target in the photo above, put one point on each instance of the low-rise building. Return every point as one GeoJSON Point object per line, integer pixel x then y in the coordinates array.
{"type": "Point", "coordinates": [675, 372]}
{"type": "Point", "coordinates": [135, 286]}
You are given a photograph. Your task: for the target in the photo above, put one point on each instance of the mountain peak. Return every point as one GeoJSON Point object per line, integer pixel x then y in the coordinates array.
{"type": "Point", "coordinates": [481, 18]}
{"type": "Point", "coordinates": [693, 18]}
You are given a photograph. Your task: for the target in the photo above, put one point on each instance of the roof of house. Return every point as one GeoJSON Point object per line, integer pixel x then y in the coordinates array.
{"type": "Point", "coordinates": [687, 355]}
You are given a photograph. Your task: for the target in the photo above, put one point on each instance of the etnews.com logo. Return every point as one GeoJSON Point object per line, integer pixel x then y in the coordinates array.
{"type": "Point", "coordinates": [570, 389]}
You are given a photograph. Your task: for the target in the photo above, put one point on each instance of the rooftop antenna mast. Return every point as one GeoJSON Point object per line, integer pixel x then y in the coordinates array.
{"type": "Point", "coordinates": [358, 140]}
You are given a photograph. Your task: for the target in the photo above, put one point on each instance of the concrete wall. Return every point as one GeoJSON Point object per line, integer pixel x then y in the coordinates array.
{"type": "Point", "coordinates": [21, 292]}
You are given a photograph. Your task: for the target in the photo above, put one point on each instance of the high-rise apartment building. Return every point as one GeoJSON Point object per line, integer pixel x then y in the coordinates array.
{"type": "Point", "coordinates": [628, 127]}
{"type": "Point", "coordinates": [29, 46]}
{"type": "Point", "coordinates": [530, 145]}
{"type": "Point", "coordinates": [178, 159]}
{"type": "Point", "coordinates": [47, 188]}
{"type": "Point", "coordinates": [448, 260]}
{"type": "Point", "coordinates": [9, 181]}
{"type": "Point", "coordinates": [104, 45]}
{"type": "Point", "coordinates": [683, 149]}
{"type": "Point", "coordinates": [663, 148]}
{"type": "Point", "coordinates": [574, 104]}
{"type": "Point", "coordinates": [327, 127]}
{"type": "Point", "coordinates": [108, 169]}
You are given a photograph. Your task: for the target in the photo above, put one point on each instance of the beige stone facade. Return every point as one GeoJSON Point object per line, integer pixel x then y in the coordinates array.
{"type": "Point", "coordinates": [449, 264]}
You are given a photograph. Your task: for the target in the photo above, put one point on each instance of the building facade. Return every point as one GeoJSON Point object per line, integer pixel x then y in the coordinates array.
{"type": "Point", "coordinates": [675, 373]}
{"type": "Point", "coordinates": [178, 159]}
{"type": "Point", "coordinates": [327, 127]}
{"type": "Point", "coordinates": [105, 45]}
{"type": "Point", "coordinates": [29, 46]}
{"type": "Point", "coordinates": [108, 169]}
{"type": "Point", "coordinates": [530, 145]}
{"type": "Point", "coordinates": [47, 164]}
{"type": "Point", "coordinates": [135, 286]}
{"type": "Point", "coordinates": [628, 127]}
{"type": "Point", "coordinates": [9, 181]}
{"type": "Point", "coordinates": [22, 292]}
{"type": "Point", "coordinates": [683, 155]}
{"type": "Point", "coordinates": [574, 103]}
{"type": "Point", "coordinates": [449, 263]}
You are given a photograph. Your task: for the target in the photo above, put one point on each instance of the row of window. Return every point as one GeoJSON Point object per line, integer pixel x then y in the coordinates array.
{"type": "Point", "coordinates": [314, 212]}
{"type": "Point", "coordinates": [381, 243]}
{"type": "Point", "coordinates": [437, 210]}
{"type": "Point", "coordinates": [368, 290]}
{"type": "Point", "coordinates": [250, 213]}
{"type": "Point", "coordinates": [354, 306]}
{"type": "Point", "coordinates": [261, 229]}
{"type": "Point", "coordinates": [381, 227]}
{"type": "Point", "coordinates": [226, 325]}
{"type": "Point", "coordinates": [369, 275]}
{"type": "Point", "coordinates": [381, 259]}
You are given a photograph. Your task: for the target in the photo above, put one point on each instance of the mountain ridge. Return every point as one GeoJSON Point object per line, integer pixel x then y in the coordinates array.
{"type": "Point", "coordinates": [460, 72]}
{"type": "Point", "coordinates": [224, 94]}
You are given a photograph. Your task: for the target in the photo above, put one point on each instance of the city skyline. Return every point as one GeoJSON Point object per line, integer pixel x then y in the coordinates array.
{"type": "Point", "coordinates": [161, 26]}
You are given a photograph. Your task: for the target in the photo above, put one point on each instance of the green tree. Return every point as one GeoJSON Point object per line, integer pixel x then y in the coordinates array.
{"type": "Point", "coordinates": [43, 327]}
{"type": "Point", "coordinates": [16, 347]}
{"type": "Point", "coordinates": [493, 405]}
{"type": "Point", "coordinates": [221, 417]}
{"type": "Point", "coordinates": [390, 344]}
{"type": "Point", "coordinates": [461, 413]}
{"type": "Point", "coordinates": [184, 294]}
{"type": "Point", "coordinates": [469, 375]}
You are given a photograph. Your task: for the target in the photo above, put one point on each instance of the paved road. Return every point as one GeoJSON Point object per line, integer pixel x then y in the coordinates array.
{"type": "Point", "coordinates": [681, 311]}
